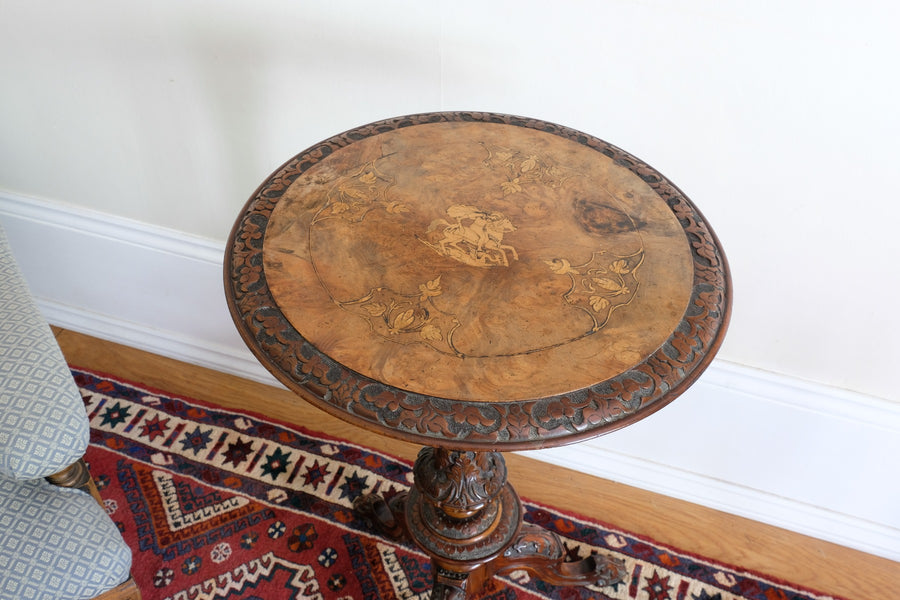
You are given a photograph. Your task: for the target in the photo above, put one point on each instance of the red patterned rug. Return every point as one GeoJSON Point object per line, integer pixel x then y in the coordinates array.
{"type": "Point", "coordinates": [219, 504]}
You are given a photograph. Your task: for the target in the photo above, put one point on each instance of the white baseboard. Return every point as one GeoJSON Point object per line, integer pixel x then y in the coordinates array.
{"type": "Point", "coordinates": [172, 344]}
{"type": "Point", "coordinates": [813, 459]}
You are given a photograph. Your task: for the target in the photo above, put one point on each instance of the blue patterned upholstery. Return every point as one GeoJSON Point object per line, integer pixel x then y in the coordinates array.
{"type": "Point", "coordinates": [57, 543]}
{"type": "Point", "coordinates": [43, 426]}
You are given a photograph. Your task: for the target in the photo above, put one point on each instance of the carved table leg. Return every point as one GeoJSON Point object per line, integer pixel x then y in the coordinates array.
{"type": "Point", "coordinates": [388, 517]}
{"type": "Point", "coordinates": [462, 512]}
{"type": "Point", "coordinates": [541, 552]}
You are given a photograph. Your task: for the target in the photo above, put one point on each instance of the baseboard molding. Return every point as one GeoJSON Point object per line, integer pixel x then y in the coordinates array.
{"type": "Point", "coordinates": [172, 344]}
{"type": "Point", "coordinates": [809, 458]}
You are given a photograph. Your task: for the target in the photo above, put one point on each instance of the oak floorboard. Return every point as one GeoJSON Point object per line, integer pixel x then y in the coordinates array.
{"type": "Point", "coordinates": [781, 554]}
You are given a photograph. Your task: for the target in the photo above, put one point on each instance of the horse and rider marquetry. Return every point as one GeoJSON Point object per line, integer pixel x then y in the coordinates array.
{"type": "Point", "coordinates": [474, 238]}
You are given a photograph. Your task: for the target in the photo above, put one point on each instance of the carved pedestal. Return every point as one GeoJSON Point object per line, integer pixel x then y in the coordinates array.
{"type": "Point", "coordinates": [464, 514]}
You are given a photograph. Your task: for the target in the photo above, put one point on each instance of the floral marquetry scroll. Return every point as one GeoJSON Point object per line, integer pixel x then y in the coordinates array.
{"type": "Point", "coordinates": [474, 280]}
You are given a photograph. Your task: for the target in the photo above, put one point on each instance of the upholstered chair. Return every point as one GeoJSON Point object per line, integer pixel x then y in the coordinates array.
{"type": "Point", "coordinates": [56, 540]}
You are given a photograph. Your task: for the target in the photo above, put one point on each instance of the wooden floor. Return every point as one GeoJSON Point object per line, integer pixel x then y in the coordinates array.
{"type": "Point", "coordinates": [805, 561]}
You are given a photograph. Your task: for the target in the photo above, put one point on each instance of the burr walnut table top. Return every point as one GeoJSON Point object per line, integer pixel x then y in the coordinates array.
{"type": "Point", "coordinates": [476, 280]}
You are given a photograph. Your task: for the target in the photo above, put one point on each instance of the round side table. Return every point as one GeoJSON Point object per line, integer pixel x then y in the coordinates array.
{"type": "Point", "coordinates": [477, 283]}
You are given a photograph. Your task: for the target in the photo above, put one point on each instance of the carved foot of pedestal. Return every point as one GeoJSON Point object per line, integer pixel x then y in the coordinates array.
{"type": "Point", "coordinates": [389, 517]}
{"type": "Point", "coordinates": [541, 553]}
{"type": "Point", "coordinates": [451, 585]}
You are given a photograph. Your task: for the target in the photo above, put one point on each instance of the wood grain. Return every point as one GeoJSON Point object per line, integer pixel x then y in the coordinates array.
{"type": "Point", "coordinates": [477, 261]}
{"type": "Point", "coordinates": [780, 554]}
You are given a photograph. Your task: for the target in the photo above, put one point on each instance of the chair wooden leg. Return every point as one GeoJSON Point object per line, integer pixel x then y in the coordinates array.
{"type": "Point", "coordinates": [124, 591]}
{"type": "Point", "coordinates": [78, 476]}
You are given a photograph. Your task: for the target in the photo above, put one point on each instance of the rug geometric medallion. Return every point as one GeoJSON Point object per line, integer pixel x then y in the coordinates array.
{"type": "Point", "coordinates": [219, 504]}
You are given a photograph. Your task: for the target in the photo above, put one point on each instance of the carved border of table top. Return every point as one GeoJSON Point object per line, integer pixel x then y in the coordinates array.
{"type": "Point", "coordinates": [528, 424]}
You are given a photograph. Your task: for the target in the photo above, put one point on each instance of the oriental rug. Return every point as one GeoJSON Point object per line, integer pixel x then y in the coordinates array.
{"type": "Point", "coordinates": [218, 504]}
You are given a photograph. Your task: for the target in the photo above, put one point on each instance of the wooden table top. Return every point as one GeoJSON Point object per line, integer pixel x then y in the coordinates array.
{"type": "Point", "coordinates": [477, 280]}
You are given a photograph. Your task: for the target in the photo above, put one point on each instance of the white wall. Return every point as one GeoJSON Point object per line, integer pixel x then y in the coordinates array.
{"type": "Point", "coordinates": [779, 119]}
